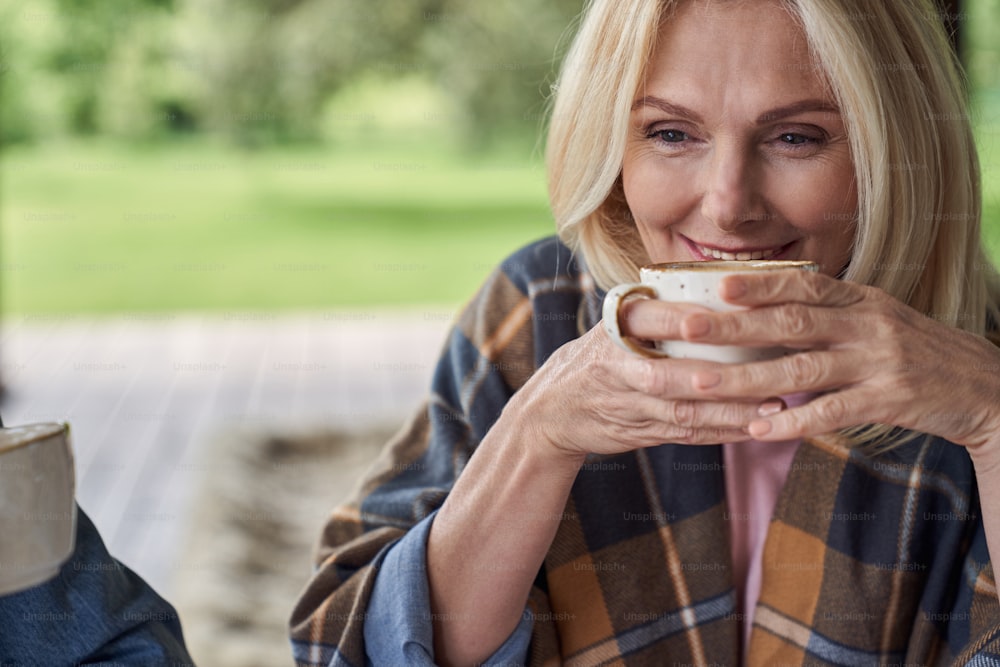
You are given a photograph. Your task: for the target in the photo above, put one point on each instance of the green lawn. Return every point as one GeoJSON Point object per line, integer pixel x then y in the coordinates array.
{"type": "Point", "coordinates": [988, 138]}
{"type": "Point", "coordinates": [93, 228]}
{"type": "Point", "coordinates": [98, 228]}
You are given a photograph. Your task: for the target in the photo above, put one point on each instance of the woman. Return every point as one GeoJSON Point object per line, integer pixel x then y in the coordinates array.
{"type": "Point", "coordinates": [688, 130]}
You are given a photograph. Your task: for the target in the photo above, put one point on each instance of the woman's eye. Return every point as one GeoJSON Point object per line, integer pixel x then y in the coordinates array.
{"type": "Point", "coordinates": [793, 139]}
{"type": "Point", "coordinates": [671, 136]}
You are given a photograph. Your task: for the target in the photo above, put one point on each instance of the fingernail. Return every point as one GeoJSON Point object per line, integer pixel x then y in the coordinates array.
{"type": "Point", "coordinates": [759, 428]}
{"type": "Point", "coordinates": [771, 406]}
{"type": "Point", "coordinates": [707, 379]}
{"type": "Point", "coordinates": [735, 288]}
{"type": "Point", "coordinates": [697, 325]}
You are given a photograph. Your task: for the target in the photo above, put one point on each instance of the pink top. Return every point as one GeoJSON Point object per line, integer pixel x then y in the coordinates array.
{"type": "Point", "coordinates": [755, 473]}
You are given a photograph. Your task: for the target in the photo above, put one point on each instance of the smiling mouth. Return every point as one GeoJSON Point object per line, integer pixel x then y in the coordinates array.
{"type": "Point", "coordinates": [745, 256]}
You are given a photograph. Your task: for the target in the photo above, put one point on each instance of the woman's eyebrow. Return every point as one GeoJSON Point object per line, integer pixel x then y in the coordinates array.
{"type": "Point", "coordinates": [666, 107]}
{"type": "Point", "coordinates": [805, 106]}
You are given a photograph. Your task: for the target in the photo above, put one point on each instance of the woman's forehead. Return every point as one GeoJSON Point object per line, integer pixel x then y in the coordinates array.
{"type": "Point", "coordinates": [740, 49]}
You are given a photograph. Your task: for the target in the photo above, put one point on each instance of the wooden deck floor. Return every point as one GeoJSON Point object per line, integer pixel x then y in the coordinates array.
{"type": "Point", "coordinates": [146, 394]}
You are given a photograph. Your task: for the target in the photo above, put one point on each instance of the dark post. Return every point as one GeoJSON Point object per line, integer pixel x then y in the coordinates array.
{"type": "Point", "coordinates": [954, 19]}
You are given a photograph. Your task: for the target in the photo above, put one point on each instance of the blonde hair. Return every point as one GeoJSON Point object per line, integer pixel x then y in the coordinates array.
{"type": "Point", "coordinates": [900, 90]}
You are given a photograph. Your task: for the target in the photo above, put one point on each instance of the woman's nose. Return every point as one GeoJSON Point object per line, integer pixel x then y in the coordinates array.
{"type": "Point", "coordinates": [731, 190]}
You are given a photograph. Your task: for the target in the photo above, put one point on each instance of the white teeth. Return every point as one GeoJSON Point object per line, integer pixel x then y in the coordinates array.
{"type": "Point", "coordinates": [741, 257]}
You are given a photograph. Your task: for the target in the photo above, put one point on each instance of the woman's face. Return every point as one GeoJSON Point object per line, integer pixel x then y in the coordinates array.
{"type": "Point", "coordinates": [736, 148]}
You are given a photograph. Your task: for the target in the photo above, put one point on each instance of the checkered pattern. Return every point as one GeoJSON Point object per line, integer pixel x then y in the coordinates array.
{"type": "Point", "coordinates": [868, 560]}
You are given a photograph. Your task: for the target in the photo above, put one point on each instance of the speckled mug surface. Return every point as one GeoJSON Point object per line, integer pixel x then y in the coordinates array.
{"type": "Point", "coordinates": [37, 504]}
{"type": "Point", "coordinates": [692, 282]}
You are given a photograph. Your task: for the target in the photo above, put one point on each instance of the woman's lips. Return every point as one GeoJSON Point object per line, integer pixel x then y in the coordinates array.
{"type": "Point", "coordinates": [705, 253]}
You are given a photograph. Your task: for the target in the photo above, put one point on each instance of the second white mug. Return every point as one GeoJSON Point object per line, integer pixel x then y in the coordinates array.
{"type": "Point", "coordinates": [37, 504]}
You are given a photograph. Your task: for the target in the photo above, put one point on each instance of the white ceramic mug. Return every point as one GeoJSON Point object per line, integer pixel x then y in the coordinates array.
{"type": "Point", "coordinates": [37, 504]}
{"type": "Point", "coordinates": [692, 282]}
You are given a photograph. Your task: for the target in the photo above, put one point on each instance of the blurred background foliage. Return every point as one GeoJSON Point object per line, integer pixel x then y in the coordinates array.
{"type": "Point", "coordinates": [215, 154]}
{"type": "Point", "coordinates": [268, 71]}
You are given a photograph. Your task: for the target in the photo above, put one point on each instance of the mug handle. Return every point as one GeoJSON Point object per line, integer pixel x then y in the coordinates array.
{"type": "Point", "coordinates": [612, 309]}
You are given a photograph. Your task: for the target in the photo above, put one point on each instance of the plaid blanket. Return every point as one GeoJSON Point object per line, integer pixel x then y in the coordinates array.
{"type": "Point", "coordinates": [868, 560]}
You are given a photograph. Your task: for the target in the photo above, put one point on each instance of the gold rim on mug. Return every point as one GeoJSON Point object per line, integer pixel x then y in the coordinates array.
{"type": "Point", "coordinates": [31, 433]}
{"type": "Point", "coordinates": [734, 265]}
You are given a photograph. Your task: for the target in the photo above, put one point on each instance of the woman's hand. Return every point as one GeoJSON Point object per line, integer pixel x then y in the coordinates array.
{"type": "Point", "coordinates": [592, 396]}
{"type": "Point", "coordinates": [493, 532]}
{"type": "Point", "coordinates": [878, 360]}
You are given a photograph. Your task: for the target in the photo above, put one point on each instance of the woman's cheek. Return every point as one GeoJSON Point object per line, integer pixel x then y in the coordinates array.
{"type": "Point", "coordinates": [652, 196]}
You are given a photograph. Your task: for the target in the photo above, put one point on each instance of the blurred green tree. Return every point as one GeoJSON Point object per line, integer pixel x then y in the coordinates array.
{"type": "Point", "coordinates": [982, 42]}
{"type": "Point", "coordinates": [261, 71]}
{"type": "Point", "coordinates": [63, 62]}
{"type": "Point", "coordinates": [499, 59]}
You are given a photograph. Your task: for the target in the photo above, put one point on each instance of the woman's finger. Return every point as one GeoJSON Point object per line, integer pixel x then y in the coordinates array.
{"type": "Point", "coordinates": [693, 413]}
{"type": "Point", "coordinates": [686, 423]}
{"type": "Point", "coordinates": [805, 371]}
{"type": "Point", "coordinates": [792, 286]}
{"type": "Point", "coordinates": [664, 378]}
{"type": "Point", "coordinates": [652, 319]}
{"type": "Point", "coordinates": [824, 414]}
{"type": "Point", "coordinates": [790, 325]}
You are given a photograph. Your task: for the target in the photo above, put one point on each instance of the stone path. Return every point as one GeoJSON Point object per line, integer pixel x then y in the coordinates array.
{"type": "Point", "coordinates": [146, 394]}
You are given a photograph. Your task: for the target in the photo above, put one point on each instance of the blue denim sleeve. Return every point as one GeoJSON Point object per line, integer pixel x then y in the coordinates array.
{"type": "Point", "coordinates": [398, 628]}
{"type": "Point", "coordinates": [95, 612]}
